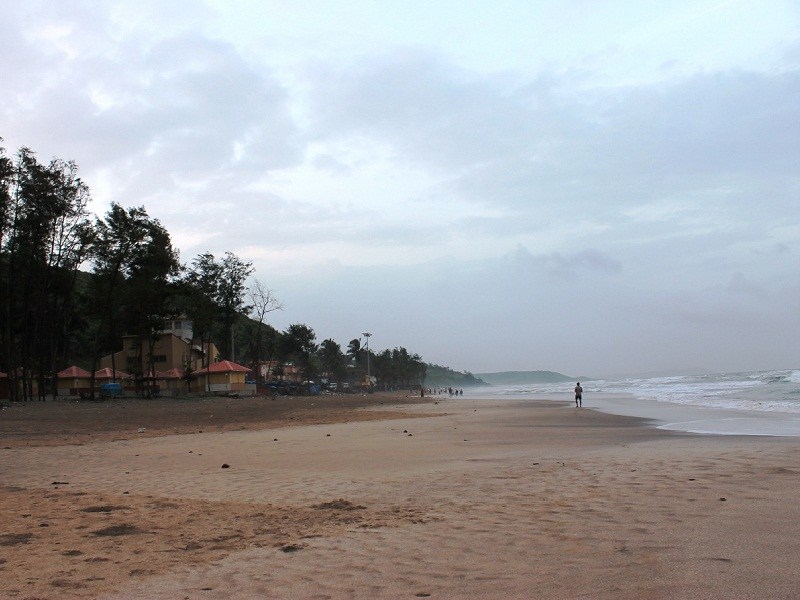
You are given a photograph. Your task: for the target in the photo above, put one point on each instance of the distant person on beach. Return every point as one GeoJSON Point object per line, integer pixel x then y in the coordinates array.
{"type": "Point", "coordinates": [578, 395]}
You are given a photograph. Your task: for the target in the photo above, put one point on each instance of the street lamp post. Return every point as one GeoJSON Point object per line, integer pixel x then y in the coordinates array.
{"type": "Point", "coordinates": [369, 379]}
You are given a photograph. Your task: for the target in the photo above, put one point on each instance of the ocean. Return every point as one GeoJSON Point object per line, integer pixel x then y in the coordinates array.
{"type": "Point", "coordinates": [750, 403]}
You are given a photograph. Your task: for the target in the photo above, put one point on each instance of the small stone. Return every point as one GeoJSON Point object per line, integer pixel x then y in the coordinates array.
{"type": "Point", "coordinates": [225, 466]}
{"type": "Point", "coordinates": [722, 499]}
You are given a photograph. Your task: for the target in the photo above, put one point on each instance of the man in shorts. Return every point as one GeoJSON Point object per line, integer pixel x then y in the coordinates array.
{"type": "Point", "coordinates": [578, 395]}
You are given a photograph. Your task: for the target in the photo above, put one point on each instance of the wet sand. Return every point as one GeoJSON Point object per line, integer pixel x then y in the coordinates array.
{"type": "Point", "coordinates": [459, 499]}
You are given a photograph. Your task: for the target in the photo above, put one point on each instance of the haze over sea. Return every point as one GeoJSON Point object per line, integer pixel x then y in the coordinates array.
{"type": "Point", "coordinates": [748, 403]}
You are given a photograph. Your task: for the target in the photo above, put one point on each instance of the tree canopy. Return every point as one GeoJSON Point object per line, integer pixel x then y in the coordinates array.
{"type": "Point", "coordinates": [54, 313]}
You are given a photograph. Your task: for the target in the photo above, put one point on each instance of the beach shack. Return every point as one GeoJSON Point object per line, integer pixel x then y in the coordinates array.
{"type": "Point", "coordinates": [173, 381]}
{"type": "Point", "coordinates": [223, 377]}
{"type": "Point", "coordinates": [73, 381]}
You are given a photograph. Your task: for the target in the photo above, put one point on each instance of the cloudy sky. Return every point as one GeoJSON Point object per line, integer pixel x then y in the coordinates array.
{"type": "Point", "coordinates": [590, 187]}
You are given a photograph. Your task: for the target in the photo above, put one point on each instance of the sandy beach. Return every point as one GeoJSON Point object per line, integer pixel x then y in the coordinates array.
{"type": "Point", "coordinates": [387, 497]}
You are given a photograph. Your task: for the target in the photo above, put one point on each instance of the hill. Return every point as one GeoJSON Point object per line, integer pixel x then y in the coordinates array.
{"type": "Point", "coordinates": [523, 377]}
{"type": "Point", "coordinates": [438, 376]}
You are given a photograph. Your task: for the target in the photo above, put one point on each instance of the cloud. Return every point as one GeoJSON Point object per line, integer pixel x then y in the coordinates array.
{"type": "Point", "coordinates": [739, 284]}
{"type": "Point", "coordinates": [566, 265]}
{"type": "Point", "coordinates": [557, 214]}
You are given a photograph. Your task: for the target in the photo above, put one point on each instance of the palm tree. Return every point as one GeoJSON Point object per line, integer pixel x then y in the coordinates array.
{"type": "Point", "coordinates": [332, 358]}
{"type": "Point", "coordinates": [354, 351]}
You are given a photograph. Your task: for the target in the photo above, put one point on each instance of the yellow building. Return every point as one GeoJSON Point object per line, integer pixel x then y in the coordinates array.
{"type": "Point", "coordinates": [223, 377]}
{"type": "Point", "coordinates": [169, 352]}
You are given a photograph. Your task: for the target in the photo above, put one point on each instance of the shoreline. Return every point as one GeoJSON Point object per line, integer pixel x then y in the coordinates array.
{"type": "Point", "coordinates": [460, 499]}
{"type": "Point", "coordinates": [703, 420]}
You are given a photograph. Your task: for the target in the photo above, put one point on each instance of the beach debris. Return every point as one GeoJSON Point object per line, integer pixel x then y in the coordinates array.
{"type": "Point", "coordinates": [44, 524]}
{"type": "Point", "coordinates": [291, 547]}
{"type": "Point", "coordinates": [723, 499]}
{"type": "Point", "coordinates": [117, 530]}
{"type": "Point", "coordinates": [405, 430]}
{"type": "Point", "coordinates": [225, 466]}
{"type": "Point", "coordinates": [340, 504]}
{"type": "Point", "coordinates": [142, 429]}
{"type": "Point", "coordinates": [15, 539]}
{"type": "Point", "coordinates": [60, 483]}
{"type": "Point", "coordinates": [327, 435]}
{"type": "Point", "coordinates": [422, 595]}
{"type": "Point", "coordinates": [275, 440]}
{"type": "Point", "coordinates": [104, 508]}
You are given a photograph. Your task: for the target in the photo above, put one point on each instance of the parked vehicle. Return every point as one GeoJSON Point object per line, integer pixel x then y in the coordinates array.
{"type": "Point", "coordinates": [109, 390]}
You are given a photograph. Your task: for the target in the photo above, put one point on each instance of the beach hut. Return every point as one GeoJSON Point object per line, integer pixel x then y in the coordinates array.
{"type": "Point", "coordinates": [104, 375]}
{"type": "Point", "coordinates": [73, 381]}
{"type": "Point", "coordinates": [223, 377]}
{"type": "Point", "coordinates": [173, 381]}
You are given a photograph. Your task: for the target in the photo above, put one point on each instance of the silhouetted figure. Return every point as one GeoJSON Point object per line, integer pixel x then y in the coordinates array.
{"type": "Point", "coordinates": [578, 395]}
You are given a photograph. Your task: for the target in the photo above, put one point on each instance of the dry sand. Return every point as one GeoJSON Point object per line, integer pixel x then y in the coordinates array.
{"type": "Point", "coordinates": [464, 500]}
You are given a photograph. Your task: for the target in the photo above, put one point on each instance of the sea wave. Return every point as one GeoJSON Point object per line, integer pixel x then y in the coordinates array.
{"type": "Point", "coordinates": [771, 391]}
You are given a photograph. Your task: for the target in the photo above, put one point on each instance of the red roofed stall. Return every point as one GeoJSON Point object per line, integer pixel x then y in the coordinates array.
{"type": "Point", "coordinates": [74, 381]}
{"type": "Point", "coordinates": [223, 377]}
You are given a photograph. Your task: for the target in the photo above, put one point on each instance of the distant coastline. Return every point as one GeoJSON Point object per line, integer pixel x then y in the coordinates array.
{"type": "Point", "coordinates": [523, 377]}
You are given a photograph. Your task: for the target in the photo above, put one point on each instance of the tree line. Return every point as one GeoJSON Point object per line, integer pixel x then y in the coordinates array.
{"type": "Point", "coordinates": [54, 312]}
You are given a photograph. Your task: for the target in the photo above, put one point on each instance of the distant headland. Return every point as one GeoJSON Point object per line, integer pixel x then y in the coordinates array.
{"type": "Point", "coordinates": [523, 377]}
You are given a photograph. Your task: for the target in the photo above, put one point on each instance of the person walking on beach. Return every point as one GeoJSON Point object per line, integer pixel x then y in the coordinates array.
{"type": "Point", "coordinates": [578, 395]}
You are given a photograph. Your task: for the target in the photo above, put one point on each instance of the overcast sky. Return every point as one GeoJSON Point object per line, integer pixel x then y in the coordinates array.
{"type": "Point", "coordinates": [589, 187]}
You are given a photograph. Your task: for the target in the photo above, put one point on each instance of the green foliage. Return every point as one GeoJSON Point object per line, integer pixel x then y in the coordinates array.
{"type": "Point", "coordinates": [331, 358]}
{"type": "Point", "coordinates": [298, 344]}
{"type": "Point", "coordinates": [214, 294]}
{"type": "Point", "coordinates": [44, 237]}
{"type": "Point", "coordinates": [53, 315]}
